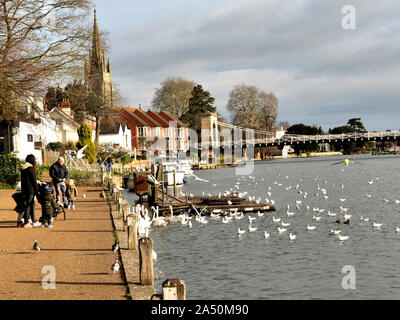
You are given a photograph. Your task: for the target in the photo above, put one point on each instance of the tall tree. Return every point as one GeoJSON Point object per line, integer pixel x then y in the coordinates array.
{"type": "Point", "coordinates": [41, 42]}
{"type": "Point", "coordinates": [201, 102]}
{"type": "Point", "coordinates": [356, 124]}
{"type": "Point", "coordinates": [173, 95]}
{"type": "Point", "coordinates": [252, 107]}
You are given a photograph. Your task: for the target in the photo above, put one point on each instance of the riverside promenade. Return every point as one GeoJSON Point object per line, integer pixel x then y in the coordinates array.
{"type": "Point", "coordinates": [79, 249]}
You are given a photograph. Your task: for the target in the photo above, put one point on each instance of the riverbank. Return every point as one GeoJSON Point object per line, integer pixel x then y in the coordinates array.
{"type": "Point", "coordinates": [79, 249]}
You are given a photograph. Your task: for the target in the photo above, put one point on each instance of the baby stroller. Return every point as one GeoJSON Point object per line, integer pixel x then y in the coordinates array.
{"type": "Point", "coordinates": [47, 188]}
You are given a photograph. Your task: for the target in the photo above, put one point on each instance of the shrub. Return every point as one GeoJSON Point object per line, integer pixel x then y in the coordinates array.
{"type": "Point", "coordinates": [9, 173]}
{"type": "Point", "coordinates": [54, 146]}
{"type": "Point", "coordinates": [85, 138]}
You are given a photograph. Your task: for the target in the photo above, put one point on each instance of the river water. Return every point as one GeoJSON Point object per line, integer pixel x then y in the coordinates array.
{"type": "Point", "coordinates": [218, 264]}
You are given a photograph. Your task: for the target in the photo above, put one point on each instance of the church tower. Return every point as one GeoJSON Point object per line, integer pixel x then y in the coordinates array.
{"type": "Point", "coordinates": [97, 71]}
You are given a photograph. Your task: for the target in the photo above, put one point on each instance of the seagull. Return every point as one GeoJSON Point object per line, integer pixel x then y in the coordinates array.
{"type": "Point", "coordinates": [364, 219]}
{"type": "Point", "coordinates": [371, 182]}
{"type": "Point", "coordinates": [285, 224]}
{"type": "Point", "coordinates": [386, 200]}
{"type": "Point", "coordinates": [317, 218]}
{"type": "Point", "coordinates": [84, 195]}
{"type": "Point", "coordinates": [398, 230]}
{"type": "Point", "coordinates": [342, 200]}
{"type": "Point", "coordinates": [336, 232]}
{"type": "Point", "coordinates": [310, 228]}
{"type": "Point", "coordinates": [115, 266]}
{"type": "Point", "coordinates": [369, 195]}
{"type": "Point", "coordinates": [266, 235]}
{"type": "Point", "coordinates": [154, 255]}
{"type": "Point", "coordinates": [331, 214]}
{"type": "Point", "coordinates": [241, 232]}
{"type": "Point", "coordinates": [36, 246]}
{"type": "Point", "coordinates": [251, 219]}
{"type": "Point", "coordinates": [292, 237]}
{"type": "Point", "coordinates": [289, 214]}
{"type": "Point", "coordinates": [115, 246]}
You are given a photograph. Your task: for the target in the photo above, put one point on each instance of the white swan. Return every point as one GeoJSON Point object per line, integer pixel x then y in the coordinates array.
{"type": "Point", "coordinates": [251, 229]}
{"type": "Point", "coordinates": [336, 232]}
{"type": "Point", "coordinates": [398, 230]}
{"type": "Point", "coordinates": [251, 219]}
{"type": "Point", "coordinates": [281, 230]}
{"type": "Point", "coordinates": [285, 224]}
{"type": "Point", "coordinates": [316, 218]}
{"type": "Point", "coordinates": [343, 238]}
{"type": "Point", "coordinates": [289, 214]}
{"type": "Point", "coordinates": [276, 220]}
{"type": "Point", "coordinates": [331, 214]}
{"type": "Point", "coordinates": [310, 228]}
{"type": "Point", "coordinates": [376, 225]}
{"type": "Point", "coordinates": [292, 237]}
{"type": "Point", "coordinates": [241, 232]}
{"type": "Point", "coordinates": [260, 214]}
{"type": "Point", "coordinates": [364, 219]}
{"type": "Point", "coordinates": [266, 235]}
{"type": "Point", "coordinates": [347, 216]}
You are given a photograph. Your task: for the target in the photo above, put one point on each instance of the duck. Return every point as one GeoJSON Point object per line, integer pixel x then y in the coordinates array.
{"type": "Point", "coordinates": [346, 221]}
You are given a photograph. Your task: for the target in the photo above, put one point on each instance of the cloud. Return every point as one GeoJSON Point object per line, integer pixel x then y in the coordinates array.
{"type": "Point", "coordinates": [320, 72]}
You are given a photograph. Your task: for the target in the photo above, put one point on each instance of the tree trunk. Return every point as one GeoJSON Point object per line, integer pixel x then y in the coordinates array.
{"type": "Point", "coordinates": [97, 135]}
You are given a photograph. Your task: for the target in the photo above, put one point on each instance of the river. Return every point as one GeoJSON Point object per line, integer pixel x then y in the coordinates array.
{"type": "Point", "coordinates": [218, 264]}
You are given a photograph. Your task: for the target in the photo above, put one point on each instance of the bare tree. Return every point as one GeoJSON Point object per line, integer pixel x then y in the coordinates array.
{"type": "Point", "coordinates": [41, 42]}
{"type": "Point", "coordinates": [173, 95]}
{"type": "Point", "coordinates": [283, 124]}
{"type": "Point", "coordinates": [252, 107]}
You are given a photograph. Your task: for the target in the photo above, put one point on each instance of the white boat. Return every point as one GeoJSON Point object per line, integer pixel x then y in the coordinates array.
{"type": "Point", "coordinates": [180, 164]}
{"type": "Point", "coordinates": [172, 169]}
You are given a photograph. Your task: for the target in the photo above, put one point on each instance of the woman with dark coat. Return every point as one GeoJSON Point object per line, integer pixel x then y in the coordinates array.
{"type": "Point", "coordinates": [29, 189]}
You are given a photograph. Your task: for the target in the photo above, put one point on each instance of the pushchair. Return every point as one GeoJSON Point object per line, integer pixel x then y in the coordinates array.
{"type": "Point", "coordinates": [46, 188]}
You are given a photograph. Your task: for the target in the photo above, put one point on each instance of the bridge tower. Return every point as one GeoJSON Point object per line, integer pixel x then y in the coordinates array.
{"type": "Point", "coordinates": [209, 136]}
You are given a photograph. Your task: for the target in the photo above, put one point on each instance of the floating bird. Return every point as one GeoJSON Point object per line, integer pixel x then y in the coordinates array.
{"type": "Point", "coordinates": [310, 228]}
{"type": "Point", "coordinates": [336, 232]}
{"type": "Point", "coordinates": [386, 200]}
{"type": "Point", "coordinates": [343, 209]}
{"type": "Point", "coordinates": [343, 238]}
{"type": "Point", "coordinates": [251, 219]}
{"type": "Point", "coordinates": [285, 224]}
{"type": "Point", "coordinates": [347, 216]}
{"type": "Point", "coordinates": [36, 246]}
{"type": "Point", "coordinates": [316, 218]}
{"type": "Point", "coordinates": [115, 266]}
{"type": "Point", "coordinates": [289, 214]}
{"type": "Point", "coordinates": [154, 255]}
{"type": "Point", "coordinates": [115, 246]}
{"type": "Point", "coordinates": [376, 225]}
{"type": "Point", "coordinates": [331, 214]}
{"type": "Point", "coordinates": [251, 229]}
{"type": "Point", "coordinates": [281, 230]}
{"type": "Point", "coordinates": [260, 214]}
{"type": "Point", "coordinates": [342, 200]}
{"type": "Point", "coordinates": [229, 202]}
{"type": "Point", "coordinates": [266, 235]}
{"type": "Point", "coordinates": [276, 220]}
{"type": "Point", "coordinates": [371, 182]}
{"type": "Point", "coordinates": [397, 201]}
{"type": "Point", "coordinates": [364, 219]}
{"type": "Point", "coordinates": [190, 224]}
{"type": "Point", "coordinates": [369, 195]}
{"type": "Point", "coordinates": [241, 232]}
{"type": "Point", "coordinates": [292, 237]}
{"type": "Point", "coordinates": [398, 230]}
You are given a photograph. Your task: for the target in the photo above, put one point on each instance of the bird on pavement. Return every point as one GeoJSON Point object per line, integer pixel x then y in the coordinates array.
{"type": "Point", "coordinates": [36, 246]}
{"type": "Point", "coordinates": [115, 266]}
{"type": "Point", "coordinates": [115, 246]}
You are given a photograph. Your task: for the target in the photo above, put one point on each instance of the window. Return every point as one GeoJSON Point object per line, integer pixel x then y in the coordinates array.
{"type": "Point", "coordinates": [30, 138]}
{"type": "Point", "coordinates": [142, 131]}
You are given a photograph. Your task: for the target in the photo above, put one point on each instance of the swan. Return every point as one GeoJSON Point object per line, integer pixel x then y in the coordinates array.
{"type": "Point", "coordinates": [397, 201]}
{"type": "Point", "coordinates": [285, 224]}
{"type": "Point", "coordinates": [260, 214]}
{"type": "Point", "coordinates": [292, 237]}
{"type": "Point", "coordinates": [376, 225]}
{"type": "Point", "coordinates": [289, 214]}
{"type": "Point", "coordinates": [336, 232]}
{"type": "Point", "coordinates": [371, 182]}
{"type": "Point", "coordinates": [272, 202]}
{"type": "Point", "coordinates": [241, 232]}
{"type": "Point", "coordinates": [317, 218]}
{"type": "Point", "coordinates": [347, 216]}
{"type": "Point", "coordinates": [331, 214]}
{"type": "Point", "coordinates": [342, 200]}
{"type": "Point", "coordinates": [276, 220]}
{"type": "Point", "coordinates": [343, 209]}
{"type": "Point", "coordinates": [386, 200]}
{"type": "Point", "coordinates": [364, 219]}
{"type": "Point", "coordinates": [281, 230]}
{"type": "Point", "coordinates": [226, 220]}
{"type": "Point", "coordinates": [266, 235]}
{"type": "Point", "coordinates": [251, 229]}
{"type": "Point", "coordinates": [398, 230]}
{"type": "Point", "coordinates": [310, 228]}
{"type": "Point", "coordinates": [342, 238]}
{"type": "Point", "coordinates": [251, 219]}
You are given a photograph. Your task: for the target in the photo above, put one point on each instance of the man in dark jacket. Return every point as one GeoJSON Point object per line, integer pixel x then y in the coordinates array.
{"type": "Point", "coordinates": [59, 173]}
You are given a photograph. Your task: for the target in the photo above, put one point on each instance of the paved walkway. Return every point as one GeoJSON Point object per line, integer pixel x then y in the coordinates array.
{"type": "Point", "coordinates": [79, 248]}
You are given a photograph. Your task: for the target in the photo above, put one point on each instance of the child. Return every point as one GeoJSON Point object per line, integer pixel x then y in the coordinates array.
{"type": "Point", "coordinates": [72, 193]}
{"type": "Point", "coordinates": [20, 202]}
{"type": "Point", "coordinates": [49, 205]}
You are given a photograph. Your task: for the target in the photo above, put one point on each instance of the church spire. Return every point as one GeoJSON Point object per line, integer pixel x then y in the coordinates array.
{"type": "Point", "coordinates": [96, 47]}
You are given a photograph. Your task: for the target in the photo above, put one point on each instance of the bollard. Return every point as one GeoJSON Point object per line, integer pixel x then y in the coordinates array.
{"type": "Point", "coordinates": [132, 222]}
{"type": "Point", "coordinates": [119, 205]}
{"type": "Point", "coordinates": [174, 289]}
{"type": "Point", "coordinates": [146, 274]}
{"type": "Point", "coordinates": [126, 211]}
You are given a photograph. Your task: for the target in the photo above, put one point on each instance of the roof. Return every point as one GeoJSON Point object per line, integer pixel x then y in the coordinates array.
{"type": "Point", "coordinates": [111, 128]}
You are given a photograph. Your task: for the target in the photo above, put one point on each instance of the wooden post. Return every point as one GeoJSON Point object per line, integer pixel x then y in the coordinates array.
{"type": "Point", "coordinates": [174, 289]}
{"type": "Point", "coordinates": [127, 211]}
{"type": "Point", "coordinates": [146, 274]}
{"type": "Point", "coordinates": [175, 191]}
{"type": "Point", "coordinates": [132, 221]}
{"type": "Point", "coordinates": [120, 206]}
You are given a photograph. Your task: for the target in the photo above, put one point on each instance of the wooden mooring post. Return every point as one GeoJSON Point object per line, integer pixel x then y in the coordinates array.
{"type": "Point", "coordinates": [132, 222]}
{"type": "Point", "coordinates": [174, 289]}
{"type": "Point", "coordinates": [146, 274]}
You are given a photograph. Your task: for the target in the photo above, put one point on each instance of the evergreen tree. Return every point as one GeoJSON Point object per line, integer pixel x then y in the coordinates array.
{"type": "Point", "coordinates": [201, 102]}
{"type": "Point", "coordinates": [85, 138]}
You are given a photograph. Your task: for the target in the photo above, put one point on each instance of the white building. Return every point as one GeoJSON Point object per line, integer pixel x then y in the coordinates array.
{"type": "Point", "coordinates": [116, 135]}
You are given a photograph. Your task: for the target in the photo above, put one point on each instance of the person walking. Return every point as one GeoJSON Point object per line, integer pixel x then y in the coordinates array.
{"type": "Point", "coordinates": [59, 173]}
{"type": "Point", "coordinates": [29, 189]}
{"type": "Point", "coordinates": [72, 193]}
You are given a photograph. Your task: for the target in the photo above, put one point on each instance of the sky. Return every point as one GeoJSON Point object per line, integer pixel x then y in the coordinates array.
{"type": "Point", "coordinates": [321, 73]}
